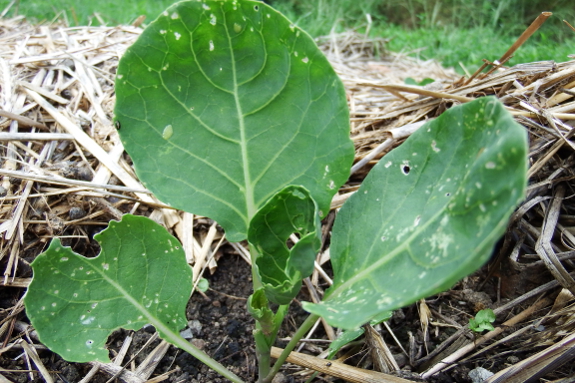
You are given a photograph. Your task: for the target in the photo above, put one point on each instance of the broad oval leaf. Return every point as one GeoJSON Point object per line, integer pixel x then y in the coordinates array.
{"type": "Point", "coordinates": [281, 269]}
{"type": "Point", "coordinates": [224, 103]}
{"type": "Point", "coordinates": [139, 277]}
{"type": "Point", "coordinates": [428, 213]}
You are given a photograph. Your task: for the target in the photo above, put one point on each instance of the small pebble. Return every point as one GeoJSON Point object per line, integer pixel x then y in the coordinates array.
{"type": "Point", "coordinates": [55, 223]}
{"type": "Point", "coordinates": [195, 326]}
{"type": "Point", "coordinates": [66, 94]}
{"type": "Point", "coordinates": [76, 212]}
{"type": "Point", "coordinates": [186, 334]}
{"type": "Point", "coordinates": [199, 343]}
{"type": "Point", "coordinates": [479, 374]}
{"type": "Point", "coordinates": [280, 378]}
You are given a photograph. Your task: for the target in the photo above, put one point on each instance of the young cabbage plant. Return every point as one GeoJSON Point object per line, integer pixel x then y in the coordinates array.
{"type": "Point", "coordinates": [230, 111]}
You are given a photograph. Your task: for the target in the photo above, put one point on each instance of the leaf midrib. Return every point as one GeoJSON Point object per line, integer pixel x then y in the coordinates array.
{"type": "Point", "coordinates": [248, 186]}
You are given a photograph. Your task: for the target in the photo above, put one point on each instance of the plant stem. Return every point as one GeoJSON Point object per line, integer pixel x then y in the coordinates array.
{"type": "Point", "coordinates": [256, 280]}
{"type": "Point", "coordinates": [266, 339]}
{"type": "Point", "coordinates": [263, 349]}
{"type": "Point", "coordinates": [303, 329]}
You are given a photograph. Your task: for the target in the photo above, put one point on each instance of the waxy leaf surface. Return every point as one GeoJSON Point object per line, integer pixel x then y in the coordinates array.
{"type": "Point", "coordinates": [139, 277]}
{"type": "Point", "coordinates": [427, 214]}
{"type": "Point", "coordinates": [224, 103]}
{"type": "Point", "coordinates": [281, 268]}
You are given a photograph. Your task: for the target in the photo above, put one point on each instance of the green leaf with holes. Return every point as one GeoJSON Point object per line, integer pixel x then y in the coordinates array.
{"type": "Point", "coordinates": [222, 104]}
{"type": "Point", "coordinates": [280, 264]}
{"type": "Point", "coordinates": [428, 213]}
{"type": "Point", "coordinates": [139, 277]}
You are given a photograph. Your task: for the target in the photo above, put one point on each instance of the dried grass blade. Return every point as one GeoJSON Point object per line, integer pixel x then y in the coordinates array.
{"type": "Point", "coordinates": [543, 246]}
{"type": "Point", "coordinates": [87, 142]}
{"type": "Point", "coordinates": [381, 356]}
{"type": "Point", "coordinates": [69, 182]}
{"type": "Point", "coordinates": [448, 361]}
{"type": "Point", "coordinates": [43, 92]}
{"type": "Point", "coordinates": [202, 257]}
{"type": "Point", "coordinates": [119, 372]}
{"type": "Point", "coordinates": [525, 35]}
{"type": "Point", "coordinates": [23, 120]}
{"type": "Point", "coordinates": [17, 216]}
{"type": "Point", "coordinates": [536, 366]}
{"type": "Point", "coordinates": [338, 369]}
{"type": "Point", "coordinates": [420, 91]}
{"type": "Point", "coordinates": [31, 352]}
{"type": "Point", "coordinates": [147, 367]}
{"type": "Point", "coordinates": [35, 136]}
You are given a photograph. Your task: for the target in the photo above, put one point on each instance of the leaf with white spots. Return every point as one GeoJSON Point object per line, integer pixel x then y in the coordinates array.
{"type": "Point", "coordinates": [139, 277]}
{"type": "Point", "coordinates": [224, 103]}
{"type": "Point", "coordinates": [428, 213]}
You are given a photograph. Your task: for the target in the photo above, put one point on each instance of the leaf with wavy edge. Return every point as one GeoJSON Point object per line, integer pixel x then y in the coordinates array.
{"type": "Point", "coordinates": [291, 211]}
{"type": "Point", "coordinates": [428, 213]}
{"type": "Point", "coordinates": [224, 103]}
{"type": "Point", "coordinates": [141, 276]}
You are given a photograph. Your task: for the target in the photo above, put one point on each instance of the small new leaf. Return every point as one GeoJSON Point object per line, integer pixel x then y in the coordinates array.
{"type": "Point", "coordinates": [203, 285]}
{"type": "Point", "coordinates": [140, 276]}
{"type": "Point", "coordinates": [281, 268]}
{"type": "Point", "coordinates": [425, 81]}
{"type": "Point", "coordinates": [482, 321]}
{"type": "Point", "coordinates": [258, 307]}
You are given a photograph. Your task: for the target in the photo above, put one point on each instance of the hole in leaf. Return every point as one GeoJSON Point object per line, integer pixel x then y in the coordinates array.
{"type": "Point", "coordinates": [405, 169]}
{"type": "Point", "coordinates": [292, 240]}
{"type": "Point", "coordinates": [256, 8]}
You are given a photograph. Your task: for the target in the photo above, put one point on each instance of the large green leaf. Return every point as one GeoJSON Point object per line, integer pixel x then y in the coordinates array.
{"type": "Point", "coordinates": [281, 268]}
{"type": "Point", "coordinates": [224, 103]}
{"type": "Point", "coordinates": [141, 276]}
{"type": "Point", "coordinates": [428, 213]}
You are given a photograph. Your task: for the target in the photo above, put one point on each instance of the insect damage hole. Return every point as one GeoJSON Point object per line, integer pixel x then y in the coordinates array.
{"type": "Point", "coordinates": [405, 169]}
{"type": "Point", "coordinates": [292, 240]}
